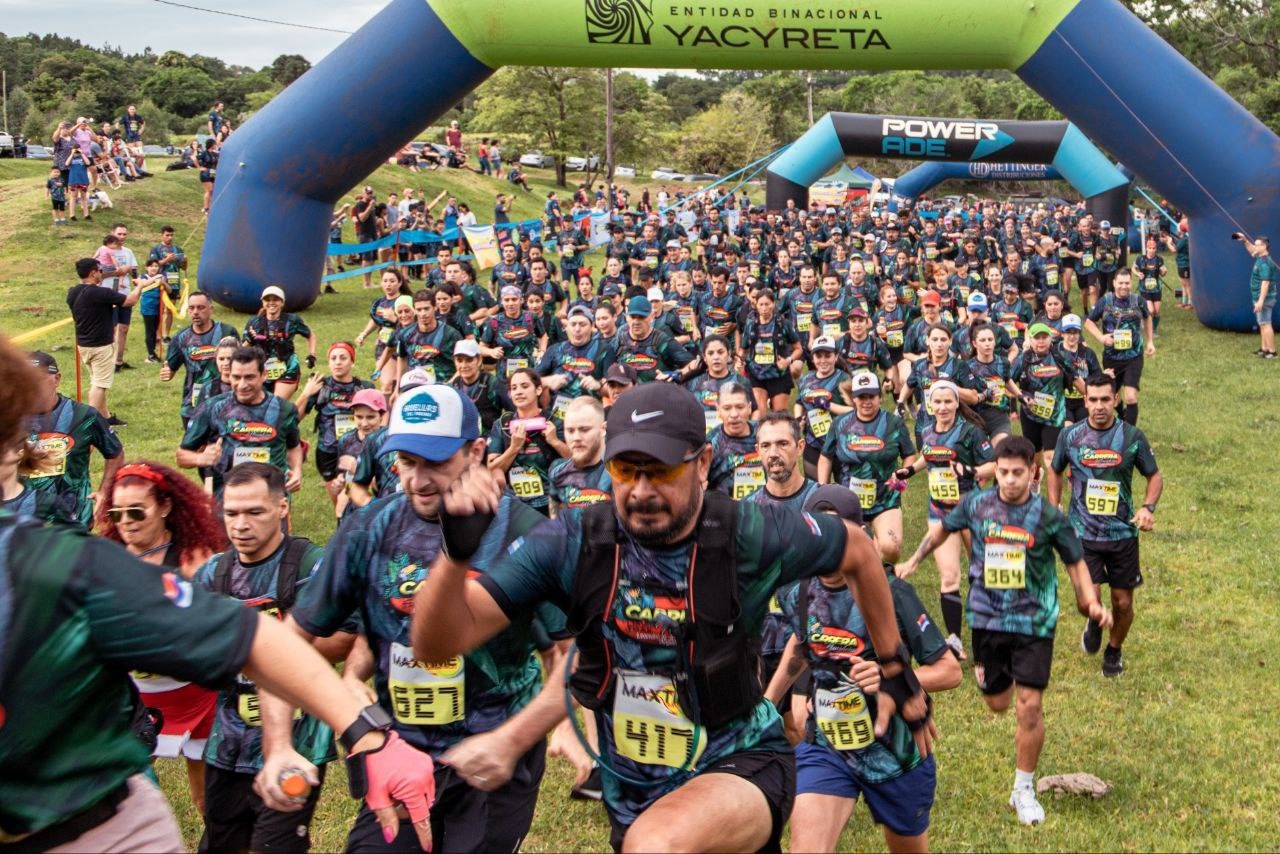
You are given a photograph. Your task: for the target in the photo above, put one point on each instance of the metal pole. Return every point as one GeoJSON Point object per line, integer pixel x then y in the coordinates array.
{"type": "Point", "coordinates": [4, 90]}
{"type": "Point", "coordinates": [608, 125]}
{"type": "Point", "coordinates": [809, 84]}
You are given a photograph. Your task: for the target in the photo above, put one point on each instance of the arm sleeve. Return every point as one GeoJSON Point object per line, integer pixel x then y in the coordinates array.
{"type": "Point", "coordinates": [1063, 536]}
{"type": "Point", "coordinates": [915, 625]}
{"type": "Point", "coordinates": [1060, 461]}
{"type": "Point", "coordinates": [141, 618]}
{"type": "Point", "coordinates": [290, 426]}
{"type": "Point", "coordinates": [332, 592]}
{"type": "Point", "coordinates": [1145, 459]}
{"type": "Point", "coordinates": [806, 544]}
{"type": "Point", "coordinates": [104, 439]}
{"type": "Point", "coordinates": [537, 567]}
{"type": "Point", "coordinates": [173, 355]}
{"type": "Point", "coordinates": [199, 431]}
{"type": "Point", "coordinates": [958, 518]}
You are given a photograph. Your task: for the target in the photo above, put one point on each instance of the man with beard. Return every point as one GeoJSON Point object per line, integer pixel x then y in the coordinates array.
{"type": "Point", "coordinates": [576, 366]}
{"type": "Point", "coordinates": [580, 479]}
{"type": "Point", "coordinates": [667, 560]}
{"type": "Point", "coordinates": [779, 441]}
{"type": "Point", "coordinates": [482, 716]}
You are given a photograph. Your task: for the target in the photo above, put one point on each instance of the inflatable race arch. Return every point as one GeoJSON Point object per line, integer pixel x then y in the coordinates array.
{"type": "Point", "coordinates": [951, 145]}
{"type": "Point", "coordinates": [1093, 60]}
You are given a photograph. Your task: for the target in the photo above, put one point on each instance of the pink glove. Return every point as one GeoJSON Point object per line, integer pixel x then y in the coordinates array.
{"type": "Point", "coordinates": [397, 773]}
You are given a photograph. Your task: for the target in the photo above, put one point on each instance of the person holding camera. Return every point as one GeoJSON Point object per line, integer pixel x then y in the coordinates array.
{"type": "Point", "coordinates": [1262, 289]}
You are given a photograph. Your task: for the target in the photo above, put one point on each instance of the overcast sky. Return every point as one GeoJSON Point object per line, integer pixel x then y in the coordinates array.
{"type": "Point", "coordinates": [134, 25]}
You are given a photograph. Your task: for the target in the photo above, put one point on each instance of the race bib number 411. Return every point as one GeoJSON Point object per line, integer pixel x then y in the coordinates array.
{"type": "Point", "coordinates": [649, 726]}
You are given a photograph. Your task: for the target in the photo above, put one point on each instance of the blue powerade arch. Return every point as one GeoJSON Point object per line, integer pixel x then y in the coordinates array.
{"type": "Point", "coordinates": [953, 148]}
{"type": "Point", "coordinates": [1091, 59]}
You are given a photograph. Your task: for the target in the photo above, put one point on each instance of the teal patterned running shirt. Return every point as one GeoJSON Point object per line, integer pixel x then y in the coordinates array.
{"type": "Point", "coordinates": [773, 547]}
{"type": "Point", "coordinates": [1102, 464]}
{"type": "Point", "coordinates": [1013, 578]}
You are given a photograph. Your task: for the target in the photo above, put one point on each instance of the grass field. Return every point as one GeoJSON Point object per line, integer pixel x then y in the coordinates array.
{"type": "Point", "coordinates": [1186, 735]}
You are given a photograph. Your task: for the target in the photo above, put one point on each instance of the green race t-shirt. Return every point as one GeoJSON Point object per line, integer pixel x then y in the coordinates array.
{"type": "Point", "coordinates": [76, 614]}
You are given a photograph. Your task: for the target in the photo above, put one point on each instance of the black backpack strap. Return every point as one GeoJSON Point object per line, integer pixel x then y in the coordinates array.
{"type": "Point", "coordinates": [287, 574]}
{"type": "Point", "coordinates": [594, 582]}
{"type": "Point", "coordinates": [222, 572]}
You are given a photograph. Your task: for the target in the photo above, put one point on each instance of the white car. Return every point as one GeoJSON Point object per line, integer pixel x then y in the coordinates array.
{"type": "Point", "coordinates": [624, 171]}
{"type": "Point", "coordinates": [538, 160]}
{"type": "Point", "coordinates": [666, 173]}
{"type": "Point", "coordinates": [581, 164]}
{"type": "Point", "coordinates": [6, 145]}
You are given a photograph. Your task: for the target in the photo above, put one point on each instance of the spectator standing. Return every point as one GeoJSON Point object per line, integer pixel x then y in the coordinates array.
{"type": "Point", "coordinates": [1262, 289]}
{"type": "Point", "coordinates": [215, 119]}
{"type": "Point", "coordinates": [453, 136]}
{"type": "Point", "coordinates": [56, 190]}
{"type": "Point", "coordinates": [173, 263]}
{"type": "Point", "coordinates": [495, 157]}
{"type": "Point", "coordinates": [62, 145]}
{"type": "Point", "coordinates": [78, 181]}
{"type": "Point", "coordinates": [126, 267]}
{"type": "Point", "coordinates": [132, 124]}
{"type": "Point", "coordinates": [482, 154]}
{"type": "Point", "coordinates": [92, 309]}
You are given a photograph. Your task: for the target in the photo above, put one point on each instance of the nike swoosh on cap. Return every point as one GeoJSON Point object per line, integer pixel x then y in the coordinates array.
{"type": "Point", "coordinates": [637, 418]}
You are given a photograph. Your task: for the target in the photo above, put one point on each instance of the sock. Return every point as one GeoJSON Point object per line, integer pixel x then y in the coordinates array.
{"type": "Point", "coordinates": [1112, 650]}
{"type": "Point", "coordinates": [1130, 413]}
{"type": "Point", "coordinates": [952, 613]}
{"type": "Point", "coordinates": [1155, 323]}
{"type": "Point", "coordinates": [1024, 779]}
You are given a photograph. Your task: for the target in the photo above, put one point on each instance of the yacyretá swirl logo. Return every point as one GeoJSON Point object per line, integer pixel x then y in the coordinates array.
{"type": "Point", "coordinates": [619, 21]}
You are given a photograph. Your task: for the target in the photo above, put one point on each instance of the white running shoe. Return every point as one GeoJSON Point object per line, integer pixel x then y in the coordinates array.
{"type": "Point", "coordinates": [957, 646]}
{"type": "Point", "coordinates": [1023, 802]}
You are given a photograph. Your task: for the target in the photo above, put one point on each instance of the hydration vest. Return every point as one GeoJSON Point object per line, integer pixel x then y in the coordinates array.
{"type": "Point", "coordinates": [718, 673]}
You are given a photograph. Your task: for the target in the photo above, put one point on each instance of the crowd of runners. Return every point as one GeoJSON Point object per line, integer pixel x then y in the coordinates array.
{"type": "Point", "coordinates": [646, 517]}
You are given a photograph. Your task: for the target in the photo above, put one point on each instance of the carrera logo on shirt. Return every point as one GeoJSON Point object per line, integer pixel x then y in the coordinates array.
{"type": "Point", "coordinates": [202, 352]}
{"type": "Point", "coordinates": [516, 333]}
{"type": "Point", "coordinates": [649, 619]}
{"type": "Point", "coordinates": [833, 641]}
{"type": "Point", "coordinates": [1044, 370]}
{"type": "Point", "coordinates": [575, 497]}
{"type": "Point", "coordinates": [815, 395]}
{"type": "Point", "coordinates": [997, 533]}
{"type": "Point", "coordinates": [864, 444]}
{"type": "Point", "coordinates": [939, 454]}
{"type": "Point", "coordinates": [250, 431]}
{"type": "Point", "coordinates": [640, 361]}
{"type": "Point", "coordinates": [716, 313]}
{"type": "Point", "coordinates": [1100, 458]}
{"type": "Point", "coordinates": [578, 364]}
{"type": "Point", "coordinates": [423, 352]}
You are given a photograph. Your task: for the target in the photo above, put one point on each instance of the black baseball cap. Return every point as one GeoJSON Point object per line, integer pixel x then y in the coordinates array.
{"type": "Point", "coordinates": [661, 420]}
{"type": "Point", "coordinates": [43, 362]}
{"type": "Point", "coordinates": [833, 498]}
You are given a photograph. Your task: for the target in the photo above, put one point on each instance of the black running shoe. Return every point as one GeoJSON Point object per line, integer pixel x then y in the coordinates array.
{"type": "Point", "coordinates": [117, 421]}
{"type": "Point", "coordinates": [591, 790]}
{"type": "Point", "coordinates": [1112, 662]}
{"type": "Point", "coordinates": [1091, 638]}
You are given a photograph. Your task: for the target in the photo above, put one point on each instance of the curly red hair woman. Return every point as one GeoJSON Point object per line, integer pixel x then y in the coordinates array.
{"type": "Point", "coordinates": [164, 518]}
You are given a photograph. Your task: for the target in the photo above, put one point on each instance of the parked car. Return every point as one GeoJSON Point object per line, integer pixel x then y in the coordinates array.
{"type": "Point", "coordinates": [624, 171]}
{"type": "Point", "coordinates": [39, 152]}
{"type": "Point", "coordinates": [700, 177]}
{"type": "Point", "coordinates": [581, 164]}
{"type": "Point", "coordinates": [156, 150]}
{"type": "Point", "coordinates": [537, 160]}
{"type": "Point", "coordinates": [665, 173]}
{"type": "Point", "coordinates": [7, 148]}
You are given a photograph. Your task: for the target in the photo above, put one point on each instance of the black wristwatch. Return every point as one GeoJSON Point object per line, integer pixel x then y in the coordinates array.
{"type": "Point", "coordinates": [1150, 508]}
{"type": "Point", "coordinates": [370, 718]}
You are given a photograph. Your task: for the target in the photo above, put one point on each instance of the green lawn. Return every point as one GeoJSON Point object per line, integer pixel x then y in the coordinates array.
{"type": "Point", "coordinates": [1186, 736]}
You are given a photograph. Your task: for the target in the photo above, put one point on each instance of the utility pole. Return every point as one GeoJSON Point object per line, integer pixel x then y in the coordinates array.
{"type": "Point", "coordinates": [808, 78]}
{"type": "Point", "coordinates": [608, 125]}
{"type": "Point", "coordinates": [4, 90]}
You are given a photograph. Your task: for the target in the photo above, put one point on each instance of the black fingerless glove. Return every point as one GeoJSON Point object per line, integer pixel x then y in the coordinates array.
{"type": "Point", "coordinates": [904, 473]}
{"type": "Point", "coordinates": [904, 686]}
{"type": "Point", "coordinates": [311, 360]}
{"type": "Point", "coordinates": [460, 536]}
